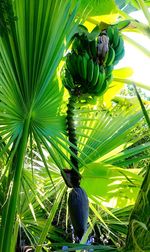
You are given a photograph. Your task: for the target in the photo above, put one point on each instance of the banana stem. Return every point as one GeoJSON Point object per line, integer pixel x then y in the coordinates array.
{"type": "Point", "coordinates": [9, 210]}
{"type": "Point", "coordinates": [75, 176]}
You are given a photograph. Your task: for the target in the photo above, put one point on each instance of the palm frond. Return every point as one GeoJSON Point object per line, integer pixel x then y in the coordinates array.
{"type": "Point", "coordinates": [29, 55]}
{"type": "Point", "coordinates": [106, 134]}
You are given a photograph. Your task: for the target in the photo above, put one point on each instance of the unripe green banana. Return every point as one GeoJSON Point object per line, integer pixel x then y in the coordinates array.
{"type": "Point", "coordinates": [110, 78]}
{"type": "Point", "coordinates": [86, 55]}
{"type": "Point", "coordinates": [84, 68]}
{"type": "Point", "coordinates": [104, 87]}
{"type": "Point", "coordinates": [120, 46]}
{"type": "Point", "coordinates": [105, 59]}
{"type": "Point", "coordinates": [79, 62]}
{"type": "Point", "coordinates": [95, 74]}
{"type": "Point", "coordinates": [119, 50]}
{"type": "Point", "coordinates": [119, 57]}
{"type": "Point", "coordinates": [102, 76]}
{"type": "Point", "coordinates": [108, 71]}
{"type": "Point", "coordinates": [100, 82]}
{"type": "Point", "coordinates": [111, 57]}
{"type": "Point", "coordinates": [90, 70]}
{"type": "Point", "coordinates": [116, 37]}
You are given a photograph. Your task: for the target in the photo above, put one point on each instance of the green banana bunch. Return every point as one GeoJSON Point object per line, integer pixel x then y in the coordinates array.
{"type": "Point", "coordinates": [90, 64]}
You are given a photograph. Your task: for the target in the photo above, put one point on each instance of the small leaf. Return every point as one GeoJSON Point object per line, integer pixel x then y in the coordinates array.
{"type": "Point", "coordinates": [123, 24]}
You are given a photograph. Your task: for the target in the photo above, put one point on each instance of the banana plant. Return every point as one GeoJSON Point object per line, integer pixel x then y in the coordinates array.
{"type": "Point", "coordinates": [31, 100]}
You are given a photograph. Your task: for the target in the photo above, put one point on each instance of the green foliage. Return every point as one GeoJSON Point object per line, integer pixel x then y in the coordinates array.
{"type": "Point", "coordinates": [96, 7]}
{"type": "Point", "coordinates": [32, 133]}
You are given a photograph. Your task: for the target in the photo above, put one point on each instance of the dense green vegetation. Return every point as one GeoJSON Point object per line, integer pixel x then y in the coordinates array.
{"type": "Point", "coordinates": [108, 147]}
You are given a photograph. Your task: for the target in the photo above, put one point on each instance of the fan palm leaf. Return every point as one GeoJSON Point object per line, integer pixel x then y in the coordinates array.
{"type": "Point", "coordinates": [30, 53]}
{"type": "Point", "coordinates": [104, 132]}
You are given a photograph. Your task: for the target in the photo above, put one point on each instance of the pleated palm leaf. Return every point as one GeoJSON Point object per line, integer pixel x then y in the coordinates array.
{"type": "Point", "coordinates": [99, 165]}
{"type": "Point", "coordinates": [30, 97]}
{"type": "Point", "coordinates": [99, 172]}
{"type": "Point", "coordinates": [106, 143]}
